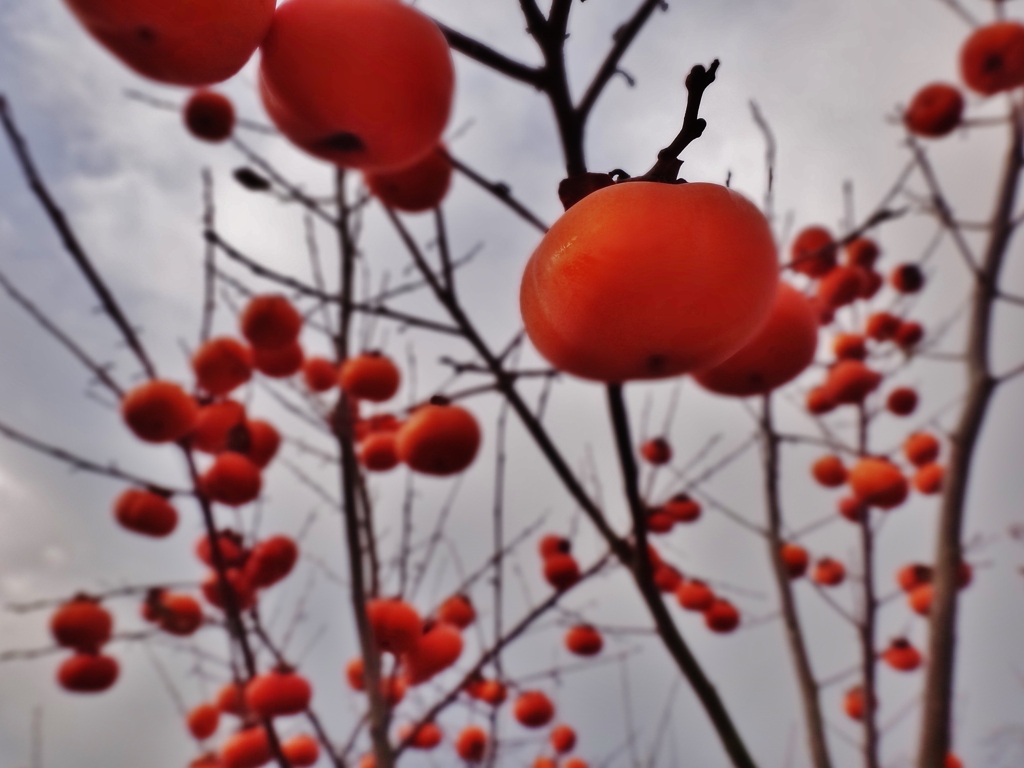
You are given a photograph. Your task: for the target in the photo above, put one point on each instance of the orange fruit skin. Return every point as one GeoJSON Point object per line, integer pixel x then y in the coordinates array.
{"type": "Point", "coordinates": [320, 374]}
{"type": "Point", "coordinates": [146, 513]}
{"type": "Point", "coordinates": [829, 572]}
{"type": "Point", "coordinates": [813, 252]}
{"type": "Point", "coordinates": [583, 640]}
{"type": "Point", "coordinates": [722, 617]}
{"type": "Point", "coordinates": [435, 651]}
{"type": "Point", "coordinates": [428, 737]}
{"type": "Point", "coordinates": [829, 471]}
{"type": "Point", "coordinates": [214, 424]}
{"type": "Point", "coordinates": [371, 376]}
{"type": "Point", "coordinates": [458, 611]}
{"type": "Point", "coordinates": [270, 321]}
{"type": "Point", "coordinates": [264, 440]}
{"type": "Point", "coordinates": [439, 440]}
{"type": "Point", "coordinates": [159, 411]}
{"type": "Point", "coordinates": [921, 448]}
{"type": "Point", "coordinates": [209, 116]}
{"type": "Point", "coordinates": [396, 625]}
{"type": "Point", "coordinates": [82, 624]}
{"type": "Point", "coordinates": [279, 362]}
{"type": "Point", "coordinates": [928, 479]}
{"type": "Point", "coordinates": [695, 596]}
{"type": "Point", "coordinates": [221, 364]}
{"type": "Point", "coordinates": [862, 252]}
{"type": "Point", "coordinates": [202, 721]}
{"type": "Point", "coordinates": [232, 479]}
{"type": "Point", "coordinates": [417, 188]}
{"type": "Point", "coordinates": [87, 673]}
{"type": "Point", "coordinates": [992, 58]}
{"type": "Point", "coordinates": [302, 750]}
{"type": "Point", "coordinates": [246, 749]}
{"type": "Point", "coordinates": [379, 452]}
{"type": "Point", "coordinates": [278, 693]}
{"type": "Point", "coordinates": [190, 42]}
{"type": "Point", "coordinates": [779, 352]}
{"type": "Point", "coordinates": [795, 559]}
{"type": "Point", "coordinates": [645, 281]}
{"type": "Point", "coordinates": [271, 560]}
{"type": "Point", "coordinates": [562, 738]}
{"type": "Point", "coordinates": [935, 111]}
{"type": "Point", "coordinates": [561, 571]}
{"type": "Point", "coordinates": [471, 744]}
{"type": "Point", "coordinates": [879, 483]}
{"type": "Point", "coordinates": [180, 614]}
{"type": "Point", "coordinates": [533, 709]}
{"type": "Point", "coordinates": [362, 83]}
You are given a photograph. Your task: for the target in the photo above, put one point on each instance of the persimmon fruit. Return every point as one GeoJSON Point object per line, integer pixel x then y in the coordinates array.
{"type": "Point", "coordinates": [829, 471]}
{"type": "Point", "coordinates": [214, 424]}
{"type": "Point", "coordinates": [88, 673]}
{"type": "Point", "coordinates": [439, 439]}
{"type": "Point", "coordinates": [370, 376]}
{"type": "Point", "coordinates": [232, 479]}
{"type": "Point", "coordinates": [319, 374]}
{"type": "Point", "coordinates": [777, 353]}
{"type": "Point", "coordinates": [202, 721]}
{"type": "Point", "coordinates": [921, 448]}
{"type": "Point", "coordinates": [271, 560]}
{"type": "Point", "coordinates": [209, 116]}
{"type": "Point", "coordinates": [562, 739]}
{"type": "Point", "coordinates": [935, 111]}
{"type": "Point", "coordinates": [828, 572]}
{"type": "Point", "coordinates": [471, 744]}
{"type": "Point", "coordinates": [646, 281]}
{"type": "Point", "coordinates": [813, 252]}
{"type": "Point", "coordinates": [362, 83]}
{"type": "Point", "coordinates": [458, 611]}
{"type": "Point", "coordinates": [159, 411]}
{"type": "Point", "coordinates": [907, 278]}
{"type": "Point", "coordinates": [379, 452]}
{"type": "Point", "coordinates": [270, 321]}
{"type": "Point", "coordinates": [878, 482]}
{"type": "Point", "coordinates": [146, 513]}
{"type": "Point", "coordinates": [249, 748]}
{"type": "Point", "coordinates": [81, 623]}
{"type": "Point", "coordinates": [438, 648]}
{"type": "Point", "coordinates": [279, 362]}
{"type": "Point", "coordinates": [533, 709]}
{"type": "Point", "coordinates": [794, 559]}
{"type": "Point", "coordinates": [902, 401]}
{"type": "Point", "coordinates": [656, 451]}
{"type": "Point", "coordinates": [264, 441]}
{"type": "Point", "coordinates": [396, 625]}
{"type": "Point", "coordinates": [722, 616]}
{"type": "Point", "coordinates": [301, 750]}
{"type": "Point", "coordinates": [992, 58]}
{"type": "Point", "coordinates": [584, 640]}
{"type": "Point", "coordinates": [196, 43]}
{"type": "Point", "coordinates": [278, 692]}
{"type": "Point", "coordinates": [222, 364]}
{"type": "Point", "coordinates": [415, 188]}
{"type": "Point", "coordinates": [695, 595]}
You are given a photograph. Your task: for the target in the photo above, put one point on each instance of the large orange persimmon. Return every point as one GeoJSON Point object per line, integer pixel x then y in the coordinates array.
{"type": "Point", "coordinates": [198, 42]}
{"type": "Point", "coordinates": [777, 353]}
{"type": "Point", "coordinates": [644, 281]}
{"type": "Point", "coordinates": [362, 83]}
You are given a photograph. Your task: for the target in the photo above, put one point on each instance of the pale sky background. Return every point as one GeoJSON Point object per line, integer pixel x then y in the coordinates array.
{"type": "Point", "coordinates": [826, 74]}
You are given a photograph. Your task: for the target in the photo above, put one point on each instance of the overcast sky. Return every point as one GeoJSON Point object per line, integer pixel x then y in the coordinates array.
{"type": "Point", "coordinates": [826, 74]}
